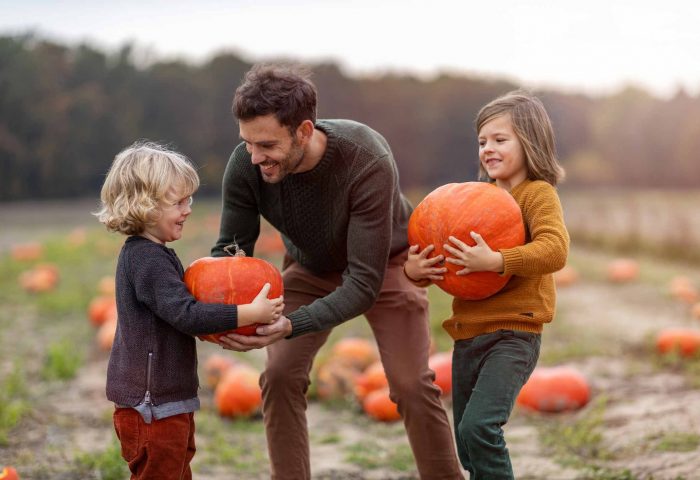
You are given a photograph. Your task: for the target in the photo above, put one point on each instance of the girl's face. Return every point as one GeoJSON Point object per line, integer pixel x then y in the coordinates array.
{"type": "Point", "coordinates": [174, 211]}
{"type": "Point", "coordinates": [500, 152]}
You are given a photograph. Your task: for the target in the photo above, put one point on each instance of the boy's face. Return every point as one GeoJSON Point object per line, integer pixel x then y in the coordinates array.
{"type": "Point", "coordinates": [500, 152]}
{"type": "Point", "coordinates": [174, 211]}
{"type": "Point", "coordinates": [272, 147]}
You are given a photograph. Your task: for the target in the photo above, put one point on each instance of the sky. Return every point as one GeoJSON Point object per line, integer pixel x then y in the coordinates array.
{"type": "Point", "coordinates": [587, 46]}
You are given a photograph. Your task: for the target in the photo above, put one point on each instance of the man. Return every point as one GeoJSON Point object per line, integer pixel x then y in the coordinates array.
{"type": "Point", "coordinates": [331, 188]}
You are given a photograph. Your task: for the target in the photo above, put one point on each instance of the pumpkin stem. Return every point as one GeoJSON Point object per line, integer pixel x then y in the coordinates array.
{"type": "Point", "coordinates": [238, 252]}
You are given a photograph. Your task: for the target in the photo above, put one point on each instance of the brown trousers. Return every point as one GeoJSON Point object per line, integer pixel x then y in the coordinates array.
{"type": "Point", "coordinates": [160, 450]}
{"type": "Point", "coordinates": [399, 321]}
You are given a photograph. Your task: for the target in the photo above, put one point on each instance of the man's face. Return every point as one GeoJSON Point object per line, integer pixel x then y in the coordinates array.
{"type": "Point", "coordinates": [272, 147]}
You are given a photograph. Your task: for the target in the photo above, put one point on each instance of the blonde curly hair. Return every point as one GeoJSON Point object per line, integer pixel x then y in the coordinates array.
{"type": "Point", "coordinates": [142, 177]}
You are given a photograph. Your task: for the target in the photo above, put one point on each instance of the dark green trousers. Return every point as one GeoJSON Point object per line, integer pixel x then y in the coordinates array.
{"type": "Point", "coordinates": [488, 372]}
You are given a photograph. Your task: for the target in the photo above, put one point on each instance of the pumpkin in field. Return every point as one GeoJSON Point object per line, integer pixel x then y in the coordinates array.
{"type": "Point", "coordinates": [456, 209]}
{"type": "Point", "coordinates": [356, 352]}
{"type": "Point", "coordinates": [685, 341]}
{"type": "Point", "coordinates": [215, 367]}
{"type": "Point", "coordinates": [554, 389]}
{"type": "Point", "coordinates": [41, 278]}
{"type": "Point", "coordinates": [622, 270]}
{"type": "Point", "coordinates": [441, 364]}
{"type": "Point", "coordinates": [379, 406]}
{"type": "Point", "coordinates": [25, 252]}
{"type": "Point", "coordinates": [695, 311]}
{"type": "Point", "coordinates": [373, 378]}
{"type": "Point", "coordinates": [335, 379]}
{"type": "Point", "coordinates": [566, 276]}
{"type": "Point", "coordinates": [9, 473]}
{"type": "Point", "coordinates": [682, 288]}
{"type": "Point", "coordinates": [101, 309]}
{"type": "Point", "coordinates": [238, 393]}
{"type": "Point", "coordinates": [235, 279]}
{"type": "Point", "coordinates": [106, 333]}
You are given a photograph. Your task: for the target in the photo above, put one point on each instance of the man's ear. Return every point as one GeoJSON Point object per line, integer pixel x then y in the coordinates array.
{"type": "Point", "coordinates": [304, 131]}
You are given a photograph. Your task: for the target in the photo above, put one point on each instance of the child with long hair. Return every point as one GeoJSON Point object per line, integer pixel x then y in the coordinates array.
{"type": "Point", "coordinates": [497, 339]}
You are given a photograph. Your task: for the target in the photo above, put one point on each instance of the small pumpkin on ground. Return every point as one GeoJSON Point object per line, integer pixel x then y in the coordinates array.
{"type": "Point", "coordinates": [379, 406]}
{"type": "Point", "coordinates": [623, 270]}
{"type": "Point", "coordinates": [565, 277]}
{"type": "Point", "coordinates": [101, 309]}
{"type": "Point", "coordinates": [373, 378]}
{"type": "Point", "coordinates": [355, 351]}
{"type": "Point", "coordinates": [554, 389]}
{"type": "Point", "coordinates": [684, 341]}
{"type": "Point", "coordinates": [9, 473]}
{"type": "Point", "coordinates": [441, 364]}
{"type": "Point", "coordinates": [238, 393]}
{"type": "Point", "coordinates": [215, 367]}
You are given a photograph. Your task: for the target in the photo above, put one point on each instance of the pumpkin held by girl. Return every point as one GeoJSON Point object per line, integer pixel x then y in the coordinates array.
{"type": "Point", "coordinates": [456, 209]}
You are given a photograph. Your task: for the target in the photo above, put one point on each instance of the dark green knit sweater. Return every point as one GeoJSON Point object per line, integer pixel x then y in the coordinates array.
{"type": "Point", "coordinates": [345, 215]}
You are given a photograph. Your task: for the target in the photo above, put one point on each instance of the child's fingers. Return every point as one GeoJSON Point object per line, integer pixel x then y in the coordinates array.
{"type": "Point", "coordinates": [458, 242]}
{"type": "Point", "coordinates": [264, 290]}
{"type": "Point", "coordinates": [456, 261]}
{"type": "Point", "coordinates": [432, 261]}
{"type": "Point", "coordinates": [427, 250]}
{"type": "Point", "coordinates": [452, 250]}
{"type": "Point", "coordinates": [278, 300]}
{"type": "Point", "coordinates": [413, 249]}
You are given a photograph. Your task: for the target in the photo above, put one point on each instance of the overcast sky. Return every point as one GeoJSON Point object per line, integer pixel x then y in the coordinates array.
{"type": "Point", "coordinates": [593, 46]}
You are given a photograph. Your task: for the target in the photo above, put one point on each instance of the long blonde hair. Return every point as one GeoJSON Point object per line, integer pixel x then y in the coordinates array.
{"type": "Point", "coordinates": [533, 129]}
{"type": "Point", "coordinates": [141, 177]}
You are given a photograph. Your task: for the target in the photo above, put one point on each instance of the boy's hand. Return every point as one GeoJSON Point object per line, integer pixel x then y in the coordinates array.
{"type": "Point", "coordinates": [261, 309]}
{"type": "Point", "coordinates": [419, 267]}
{"type": "Point", "coordinates": [479, 258]}
{"type": "Point", "coordinates": [266, 335]}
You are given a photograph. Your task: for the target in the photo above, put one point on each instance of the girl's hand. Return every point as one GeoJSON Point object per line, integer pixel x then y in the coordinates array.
{"type": "Point", "coordinates": [261, 309]}
{"type": "Point", "coordinates": [419, 267]}
{"type": "Point", "coordinates": [479, 258]}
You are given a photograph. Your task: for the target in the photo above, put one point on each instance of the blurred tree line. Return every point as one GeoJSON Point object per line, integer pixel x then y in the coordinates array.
{"type": "Point", "coordinates": [66, 111]}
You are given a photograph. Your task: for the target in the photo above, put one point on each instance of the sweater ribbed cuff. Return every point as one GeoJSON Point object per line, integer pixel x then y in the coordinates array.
{"type": "Point", "coordinates": [301, 323]}
{"type": "Point", "coordinates": [512, 260]}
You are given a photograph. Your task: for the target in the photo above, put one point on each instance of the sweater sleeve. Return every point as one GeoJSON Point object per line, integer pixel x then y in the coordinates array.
{"type": "Point", "coordinates": [548, 248]}
{"type": "Point", "coordinates": [159, 286]}
{"type": "Point", "coordinates": [368, 246]}
{"type": "Point", "coordinates": [240, 217]}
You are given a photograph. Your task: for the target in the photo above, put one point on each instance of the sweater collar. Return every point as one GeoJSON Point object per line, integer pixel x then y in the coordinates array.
{"type": "Point", "coordinates": [520, 187]}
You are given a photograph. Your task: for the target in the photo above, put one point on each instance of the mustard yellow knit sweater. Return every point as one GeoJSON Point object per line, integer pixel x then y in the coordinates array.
{"type": "Point", "coordinates": [529, 298]}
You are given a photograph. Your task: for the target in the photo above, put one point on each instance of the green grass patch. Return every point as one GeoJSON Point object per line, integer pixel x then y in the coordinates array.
{"type": "Point", "coordinates": [61, 362]}
{"type": "Point", "coordinates": [106, 464]}
{"type": "Point", "coordinates": [13, 402]}
{"type": "Point", "coordinates": [577, 443]}
{"type": "Point", "coordinates": [676, 442]}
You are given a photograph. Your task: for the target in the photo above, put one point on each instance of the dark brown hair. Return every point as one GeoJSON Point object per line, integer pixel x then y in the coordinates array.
{"type": "Point", "coordinates": [283, 90]}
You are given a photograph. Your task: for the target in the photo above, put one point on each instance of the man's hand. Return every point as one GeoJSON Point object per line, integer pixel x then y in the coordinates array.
{"type": "Point", "coordinates": [266, 335]}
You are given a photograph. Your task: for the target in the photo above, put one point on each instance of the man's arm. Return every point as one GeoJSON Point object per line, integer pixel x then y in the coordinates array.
{"type": "Point", "coordinates": [240, 217]}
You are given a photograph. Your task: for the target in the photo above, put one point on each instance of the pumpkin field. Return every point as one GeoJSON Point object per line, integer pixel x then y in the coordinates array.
{"type": "Point", "coordinates": [616, 394]}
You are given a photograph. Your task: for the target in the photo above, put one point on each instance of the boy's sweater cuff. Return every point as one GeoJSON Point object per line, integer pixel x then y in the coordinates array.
{"type": "Point", "coordinates": [301, 323]}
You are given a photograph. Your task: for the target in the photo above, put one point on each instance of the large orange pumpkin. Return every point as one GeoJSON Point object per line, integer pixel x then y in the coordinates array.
{"type": "Point", "coordinates": [9, 473]}
{"type": "Point", "coordinates": [456, 209]}
{"type": "Point", "coordinates": [554, 389]}
{"type": "Point", "coordinates": [373, 378]}
{"type": "Point", "coordinates": [685, 341]}
{"type": "Point", "coordinates": [235, 279]}
{"type": "Point", "coordinates": [238, 393]}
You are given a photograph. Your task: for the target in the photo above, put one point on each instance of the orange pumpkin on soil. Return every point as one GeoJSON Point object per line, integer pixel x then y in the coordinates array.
{"type": "Point", "coordinates": [356, 352]}
{"type": "Point", "coordinates": [106, 333]}
{"type": "Point", "coordinates": [235, 279]}
{"type": "Point", "coordinates": [9, 473]}
{"type": "Point", "coordinates": [25, 252]}
{"type": "Point", "coordinates": [685, 341]}
{"type": "Point", "coordinates": [238, 394]}
{"type": "Point", "coordinates": [441, 364]}
{"type": "Point", "coordinates": [41, 278]}
{"type": "Point", "coordinates": [682, 288]}
{"type": "Point", "coordinates": [335, 380]}
{"type": "Point", "coordinates": [101, 309]}
{"type": "Point", "coordinates": [456, 209]}
{"type": "Point", "coordinates": [215, 367]}
{"type": "Point", "coordinates": [379, 406]}
{"type": "Point", "coordinates": [623, 270]}
{"type": "Point", "coordinates": [566, 276]}
{"type": "Point", "coordinates": [554, 389]}
{"type": "Point", "coordinates": [373, 378]}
